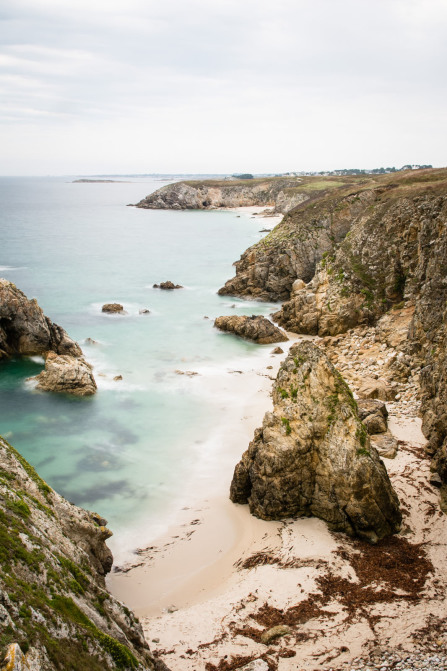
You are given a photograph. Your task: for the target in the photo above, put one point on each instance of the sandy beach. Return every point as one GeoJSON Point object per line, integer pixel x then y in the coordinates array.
{"type": "Point", "coordinates": [208, 589]}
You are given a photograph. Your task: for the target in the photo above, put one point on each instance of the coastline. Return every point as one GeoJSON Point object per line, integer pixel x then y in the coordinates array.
{"type": "Point", "coordinates": [203, 589]}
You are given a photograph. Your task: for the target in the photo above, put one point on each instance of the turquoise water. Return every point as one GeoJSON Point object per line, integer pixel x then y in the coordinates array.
{"type": "Point", "coordinates": [130, 450]}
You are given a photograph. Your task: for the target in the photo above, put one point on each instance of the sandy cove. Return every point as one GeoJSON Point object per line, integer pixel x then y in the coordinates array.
{"type": "Point", "coordinates": [207, 590]}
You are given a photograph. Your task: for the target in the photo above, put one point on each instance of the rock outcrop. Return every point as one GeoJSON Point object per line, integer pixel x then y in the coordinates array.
{"type": "Point", "coordinates": [169, 286]}
{"type": "Point", "coordinates": [113, 308]}
{"type": "Point", "coordinates": [268, 269]}
{"type": "Point", "coordinates": [55, 611]}
{"type": "Point", "coordinates": [255, 328]}
{"type": "Point", "coordinates": [25, 330]}
{"type": "Point", "coordinates": [67, 374]}
{"type": "Point", "coordinates": [313, 456]}
{"type": "Point", "coordinates": [383, 265]}
{"type": "Point", "coordinates": [282, 194]}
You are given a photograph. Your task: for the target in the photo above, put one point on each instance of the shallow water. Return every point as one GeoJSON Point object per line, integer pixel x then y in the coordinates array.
{"type": "Point", "coordinates": [129, 451]}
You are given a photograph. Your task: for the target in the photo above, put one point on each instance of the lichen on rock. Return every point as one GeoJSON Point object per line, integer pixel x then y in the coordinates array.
{"type": "Point", "coordinates": [313, 457]}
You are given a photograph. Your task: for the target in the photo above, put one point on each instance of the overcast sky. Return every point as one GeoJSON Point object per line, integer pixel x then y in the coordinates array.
{"type": "Point", "coordinates": [142, 86]}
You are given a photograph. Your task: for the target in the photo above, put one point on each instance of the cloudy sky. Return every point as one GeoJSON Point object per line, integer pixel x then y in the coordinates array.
{"type": "Point", "coordinates": [131, 86]}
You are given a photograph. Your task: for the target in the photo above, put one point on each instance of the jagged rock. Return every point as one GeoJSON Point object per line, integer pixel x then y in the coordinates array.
{"type": "Point", "coordinates": [373, 414]}
{"type": "Point", "coordinates": [167, 286]}
{"type": "Point", "coordinates": [90, 341]}
{"type": "Point", "coordinates": [68, 618]}
{"type": "Point", "coordinates": [144, 311]}
{"type": "Point", "coordinates": [256, 328]}
{"type": "Point", "coordinates": [385, 444]}
{"type": "Point", "coordinates": [68, 374]}
{"type": "Point", "coordinates": [312, 455]}
{"type": "Point", "coordinates": [25, 330]}
{"type": "Point", "coordinates": [269, 269]}
{"type": "Point", "coordinates": [274, 632]}
{"type": "Point", "coordinates": [113, 308]}
{"type": "Point", "coordinates": [376, 389]}
{"type": "Point", "coordinates": [278, 350]}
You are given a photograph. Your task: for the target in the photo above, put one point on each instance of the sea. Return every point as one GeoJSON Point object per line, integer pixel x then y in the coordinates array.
{"type": "Point", "coordinates": [130, 451]}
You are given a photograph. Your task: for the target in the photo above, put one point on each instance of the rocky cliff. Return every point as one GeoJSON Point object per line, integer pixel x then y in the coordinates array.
{"type": "Point", "coordinates": [313, 455]}
{"type": "Point", "coordinates": [55, 612]}
{"type": "Point", "coordinates": [280, 193]}
{"type": "Point", "coordinates": [25, 330]}
{"type": "Point", "coordinates": [373, 253]}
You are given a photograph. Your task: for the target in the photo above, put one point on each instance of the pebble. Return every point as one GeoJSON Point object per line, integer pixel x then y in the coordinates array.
{"type": "Point", "coordinates": [400, 661]}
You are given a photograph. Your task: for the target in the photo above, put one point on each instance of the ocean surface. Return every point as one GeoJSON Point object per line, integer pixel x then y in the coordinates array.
{"type": "Point", "coordinates": [130, 451]}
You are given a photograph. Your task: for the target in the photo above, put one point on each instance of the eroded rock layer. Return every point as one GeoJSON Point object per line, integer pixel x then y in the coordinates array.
{"type": "Point", "coordinates": [55, 611]}
{"type": "Point", "coordinates": [313, 457]}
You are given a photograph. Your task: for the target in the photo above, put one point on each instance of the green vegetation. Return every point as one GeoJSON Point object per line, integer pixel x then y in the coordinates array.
{"type": "Point", "coordinates": [42, 485]}
{"type": "Point", "coordinates": [361, 434]}
{"type": "Point", "coordinates": [363, 452]}
{"type": "Point", "coordinates": [283, 393]}
{"type": "Point", "coordinates": [286, 424]}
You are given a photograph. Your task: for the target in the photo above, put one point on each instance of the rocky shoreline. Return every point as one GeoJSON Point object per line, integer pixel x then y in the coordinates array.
{"type": "Point", "coordinates": [354, 608]}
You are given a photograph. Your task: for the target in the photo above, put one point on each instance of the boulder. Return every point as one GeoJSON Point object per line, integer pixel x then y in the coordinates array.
{"type": "Point", "coordinates": [385, 444]}
{"type": "Point", "coordinates": [374, 389]}
{"type": "Point", "coordinates": [278, 350]}
{"type": "Point", "coordinates": [68, 374]}
{"type": "Point", "coordinates": [373, 414]}
{"type": "Point", "coordinates": [255, 328]}
{"type": "Point", "coordinates": [313, 457]}
{"type": "Point", "coordinates": [113, 308]}
{"type": "Point", "coordinates": [167, 286]}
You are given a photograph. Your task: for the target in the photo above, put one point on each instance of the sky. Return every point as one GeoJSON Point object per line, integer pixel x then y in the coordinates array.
{"type": "Point", "coordinates": [221, 86]}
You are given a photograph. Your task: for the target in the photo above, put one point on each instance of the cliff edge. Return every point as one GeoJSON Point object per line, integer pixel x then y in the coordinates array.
{"type": "Point", "coordinates": [54, 609]}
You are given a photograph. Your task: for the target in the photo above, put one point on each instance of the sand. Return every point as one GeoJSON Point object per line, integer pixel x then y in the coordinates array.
{"type": "Point", "coordinates": [207, 589]}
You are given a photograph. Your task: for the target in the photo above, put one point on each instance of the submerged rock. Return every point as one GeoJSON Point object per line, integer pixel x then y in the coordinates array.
{"type": "Point", "coordinates": [67, 374]}
{"type": "Point", "coordinates": [256, 328]}
{"type": "Point", "coordinates": [312, 456]}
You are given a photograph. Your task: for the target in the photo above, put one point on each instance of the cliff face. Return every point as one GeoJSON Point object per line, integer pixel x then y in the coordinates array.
{"type": "Point", "coordinates": [267, 270]}
{"type": "Point", "coordinates": [279, 193]}
{"type": "Point", "coordinates": [53, 601]}
{"type": "Point", "coordinates": [25, 330]}
{"type": "Point", "coordinates": [388, 254]}
{"type": "Point", "coordinates": [313, 455]}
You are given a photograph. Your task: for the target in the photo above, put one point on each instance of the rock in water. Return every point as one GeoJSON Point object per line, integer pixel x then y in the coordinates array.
{"type": "Point", "coordinates": [167, 286]}
{"type": "Point", "coordinates": [24, 329]}
{"type": "Point", "coordinates": [256, 328]}
{"type": "Point", "coordinates": [312, 456]}
{"type": "Point", "coordinates": [113, 308]}
{"type": "Point", "coordinates": [63, 373]}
